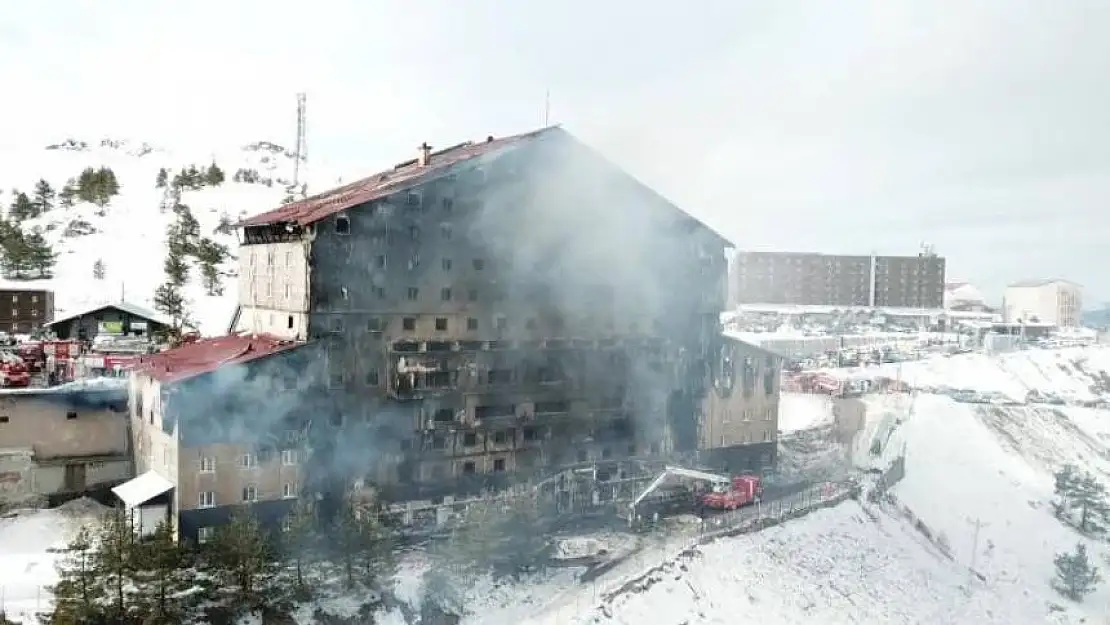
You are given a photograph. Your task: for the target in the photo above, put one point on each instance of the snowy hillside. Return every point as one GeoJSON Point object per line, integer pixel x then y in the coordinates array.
{"type": "Point", "coordinates": [128, 235]}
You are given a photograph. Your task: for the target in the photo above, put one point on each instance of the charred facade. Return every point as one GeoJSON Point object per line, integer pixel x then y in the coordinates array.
{"type": "Point", "coordinates": [489, 311]}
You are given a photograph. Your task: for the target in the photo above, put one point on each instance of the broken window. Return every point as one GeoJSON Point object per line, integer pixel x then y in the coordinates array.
{"type": "Point", "coordinates": [342, 225]}
{"type": "Point", "coordinates": [414, 293]}
{"type": "Point", "coordinates": [468, 468]}
{"type": "Point", "coordinates": [470, 439]}
{"type": "Point", "coordinates": [71, 415]}
{"type": "Point", "coordinates": [479, 264]}
{"type": "Point", "coordinates": [375, 325]}
{"type": "Point", "coordinates": [445, 294]}
{"type": "Point", "coordinates": [337, 324]}
{"type": "Point", "coordinates": [444, 415]}
{"type": "Point", "coordinates": [500, 437]}
{"type": "Point", "coordinates": [530, 434]}
{"type": "Point", "coordinates": [471, 323]}
{"type": "Point", "coordinates": [441, 324]}
{"type": "Point", "coordinates": [499, 464]}
{"type": "Point", "coordinates": [488, 412]}
{"type": "Point", "coordinates": [549, 407]}
{"type": "Point", "coordinates": [408, 324]}
{"type": "Point", "coordinates": [446, 263]}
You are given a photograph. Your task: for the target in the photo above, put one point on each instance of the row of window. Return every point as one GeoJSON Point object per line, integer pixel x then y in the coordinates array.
{"type": "Point", "coordinates": [207, 498]}
{"type": "Point", "coordinates": [249, 461]}
{"type": "Point", "coordinates": [413, 202]}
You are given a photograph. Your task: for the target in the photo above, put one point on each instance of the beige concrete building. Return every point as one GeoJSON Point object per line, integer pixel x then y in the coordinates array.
{"type": "Point", "coordinates": [741, 412]}
{"type": "Point", "coordinates": [1055, 302]}
{"type": "Point", "coordinates": [59, 443]}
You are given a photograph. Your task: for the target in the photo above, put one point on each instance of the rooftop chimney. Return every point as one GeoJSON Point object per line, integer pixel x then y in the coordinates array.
{"type": "Point", "coordinates": [489, 139]}
{"type": "Point", "coordinates": [425, 154]}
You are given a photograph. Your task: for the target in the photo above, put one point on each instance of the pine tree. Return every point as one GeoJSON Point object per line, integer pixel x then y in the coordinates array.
{"type": "Point", "coordinates": [162, 179]}
{"type": "Point", "coordinates": [115, 561]}
{"type": "Point", "coordinates": [44, 197]}
{"type": "Point", "coordinates": [1075, 576]}
{"type": "Point", "coordinates": [210, 255]}
{"type": "Point", "coordinates": [98, 269]}
{"type": "Point", "coordinates": [169, 301]}
{"type": "Point", "coordinates": [300, 540]}
{"type": "Point", "coordinates": [243, 560]}
{"type": "Point", "coordinates": [17, 254]}
{"type": "Point", "coordinates": [21, 208]}
{"type": "Point", "coordinates": [41, 257]}
{"type": "Point", "coordinates": [214, 176]}
{"type": "Point", "coordinates": [77, 592]}
{"type": "Point", "coordinates": [1081, 493]}
{"type": "Point", "coordinates": [68, 192]}
{"type": "Point", "coordinates": [161, 576]}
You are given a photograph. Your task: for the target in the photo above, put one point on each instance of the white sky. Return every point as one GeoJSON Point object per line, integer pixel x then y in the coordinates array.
{"type": "Point", "coordinates": [837, 126]}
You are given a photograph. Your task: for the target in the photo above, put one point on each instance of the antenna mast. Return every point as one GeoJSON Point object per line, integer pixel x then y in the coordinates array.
{"type": "Point", "coordinates": [546, 107]}
{"type": "Point", "coordinates": [301, 152]}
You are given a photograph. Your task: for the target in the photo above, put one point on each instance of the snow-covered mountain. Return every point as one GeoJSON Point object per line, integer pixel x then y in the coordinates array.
{"type": "Point", "coordinates": [128, 235]}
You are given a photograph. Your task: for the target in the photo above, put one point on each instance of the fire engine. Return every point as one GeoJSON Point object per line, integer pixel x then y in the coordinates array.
{"type": "Point", "coordinates": [13, 372]}
{"type": "Point", "coordinates": [741, 491]}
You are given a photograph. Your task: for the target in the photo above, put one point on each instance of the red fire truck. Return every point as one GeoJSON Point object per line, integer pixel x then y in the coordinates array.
{"type": "Point", "coordinates": [741, 491]}
{"type": "Point", "coordinates": [13, 372]}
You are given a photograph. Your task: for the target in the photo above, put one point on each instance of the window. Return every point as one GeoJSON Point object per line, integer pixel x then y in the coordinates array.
{"type": "Point", "coordinates": [379, 261]}
{"type": "Point", "coordinates": [375, 325]}
{"type": "Point", "coordinates": [379, 291]}
{"type": "Point", "coordinates": [408, 324]}
{"type": "Point", "coordinates": [501, 322]}
{"type": "Point", "coordinates": [206, 499]}
{"type": "Point", "coordinates": [444, 415]}
{"type": "Point", "coordinates": [414, 293]}
{"type": "Point", "coordinates": [337, 324]}
{"type": "Point", "coordinates": [344, 293]}
{"type": "Point", "coordinates": [551, 407]}
{"type": "Point", "coordinates": [445, 294]}
{"type": "Point", "coordinates": [472, 295]}
{"type": "Point", "coordinates": [288, 457]}
{"type": "Point", "coordinates": [530, 434]}
{"type": "Point", "coordinates": [470, 439]}
{"type": "Point", "coordinates": [288, 290]}
{"type": "Point", "coordinates": [500, 437]}
{"type": "Point", "coordinates": [441, 324]}
{"type": "Point", "coordinates": [414, 261]}
{"type": "Point", "coordinates": [289, 322]}
{"type": "Point", "coordinates": [248, 461]}
{"type": "Point", "coordinates": [205, 534]}
{"type": "Point", "coordinates": [372, 377]}
{"type": "Point", "coordinates": [288, 490]}
{"type": "Point", "coordinates": [4, 418]}
{"type": "Point", "coordinates": [471, 324]}
{"type": "Point", "coordinates": [414, 233]}
{"type": "Point", "coordinates": [71, 415]}
{"type": "Point", "coordinates": [342, 225]}
{"type": "Point", "coordinates": [479, 264]}
{"type": "Point", "coordinates": [448, 204]}
{"type": "Point", "coordinates": [250, 493]}
{"type": "Point", "coordinates": [499, 465]}
{"type": "Point", "coordinates": [414, 199]}
{"type": "Point", "coordinates": [446, 263]}
{"type": "Point", "coordinates": [445, 231]}
{"type": "Point", "coordinates": [207, 465]}
{"type": "Point", "coordinates": [289, 259]}
{"type": "Point", "coordinates": [468, 468]}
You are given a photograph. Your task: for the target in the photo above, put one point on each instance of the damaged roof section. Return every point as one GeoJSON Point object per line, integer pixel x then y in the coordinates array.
{"type": "Point", "coordinates": [208, 355]}
{"type": "Point", "coordinates": [384, 183]}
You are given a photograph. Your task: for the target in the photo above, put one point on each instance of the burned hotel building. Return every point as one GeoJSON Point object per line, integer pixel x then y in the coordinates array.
{"type": "Point", "coordinates": [487, 311]}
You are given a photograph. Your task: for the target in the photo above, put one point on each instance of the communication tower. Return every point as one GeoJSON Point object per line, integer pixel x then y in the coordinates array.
{"type": "Point", "coordinates": [301, 151]}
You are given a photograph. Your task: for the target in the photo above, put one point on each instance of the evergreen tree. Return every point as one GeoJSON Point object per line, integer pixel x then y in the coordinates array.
{"type": "Point", "coordinates": [77, 592]}
{"type": "Point", "coordinates": [1075, 576]}
{"type": "Point", "coordinates": [300, 541]}
{"type": "Point", "coordinates": [44, 197]}
{"type": "Point", "coordinates": [21, 208]}
{"type": "Point", "coordinates": [225, 226]}
{"type": "Point", "coordinates": [214, 176]}
{"type": "Point", "coordinates": [169, 301]}
{"type": "Point", "coordinates": [40, 256]}
{"type": "Point", "coordinates": [210, 255]}
{"type": "Point", "coordinates": [176, 268]}
{"type": "Point", "coordinates": [115, 561]}
{"type": "Point", "coordinates": [243, 560]}
{"type": "Point", "coordinates": [97, 186]}
{"type": "Point", "coordinates": [68, 192]}
{"type": "Point", "coordinates": [98, 269]}
{"type": "Point", "coordinates": [1080, 494]}
{"type": "Point", "coordinates": [162, 179]}
{"type": "Point", "coordinates": [161, 576]}
{"type": "Point", "coordinates": [17, 255]}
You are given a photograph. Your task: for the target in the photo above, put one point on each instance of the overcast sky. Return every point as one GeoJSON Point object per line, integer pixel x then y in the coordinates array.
{"type": "Point", "coordinates": [838, 126]}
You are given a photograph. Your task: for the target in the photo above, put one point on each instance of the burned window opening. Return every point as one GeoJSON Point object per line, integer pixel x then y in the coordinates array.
{"type": "Point", "coordinates": [441, 324]}
{"type": "Point", "coordinates": [498, 465]}
{"type": "Point", "coordinates": [468, 468]}
{"type": "Point", "coordinates": [438, 346]}
{"type": "Point", "coordinates": [443, 415]}
{"type": "Point", "coordinates": [500, 437]}
{"type": "Point", "coordinates": [494, 411]}
{"type": "Point", "coordinates": [470, 439]}
{"type": "Point", "coordinates": [551, 407]}
{"type": "Point", "coordinates": [408, 324]}
{"type": "Point", "coordinates": [342, 225]}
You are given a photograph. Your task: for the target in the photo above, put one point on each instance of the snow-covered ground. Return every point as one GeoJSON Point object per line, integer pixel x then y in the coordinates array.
{"type": "Point", "coordinates": [26, 564]}
{"type": "Point", "coordinates": [130, 234]}
{"type": "Point", "coordinates": [804, 411]}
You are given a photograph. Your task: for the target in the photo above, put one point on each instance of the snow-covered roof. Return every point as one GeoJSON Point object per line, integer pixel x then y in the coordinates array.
{"type": "Point", "coordinates": [142, 489]}
{"type": "Point", "coordinates": [126, 307]}
{"type": "Point", "coordinates": [1020, 284]}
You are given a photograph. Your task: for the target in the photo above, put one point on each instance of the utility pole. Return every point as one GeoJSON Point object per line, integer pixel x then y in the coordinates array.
{"type": "Point", "coordinates": [974, 552]}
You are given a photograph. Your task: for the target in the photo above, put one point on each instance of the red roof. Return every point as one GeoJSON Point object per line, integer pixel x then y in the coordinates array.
{"type": "Point", "coordinates": [207, 355]}
{"type": "Point", "coordinates": [379, 185]}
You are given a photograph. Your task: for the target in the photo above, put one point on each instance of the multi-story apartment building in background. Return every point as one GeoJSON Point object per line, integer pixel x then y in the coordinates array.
{"type": "Point", "coordinates": [25, 310]}
{"type": "Point", "coordinates": [812, 279]}
{"type": "Point", "coordinates": [1056, 302]}
{"type": "Point", "coordinates": [475, 315]}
